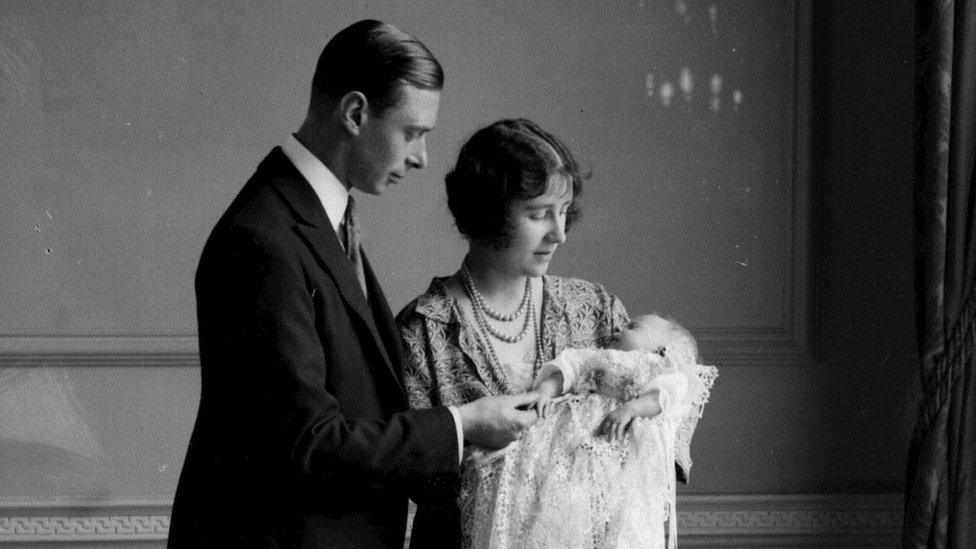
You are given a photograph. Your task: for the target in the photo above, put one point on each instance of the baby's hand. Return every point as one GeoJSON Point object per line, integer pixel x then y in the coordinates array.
{"type": "Point", "coordinates": [617, 423]}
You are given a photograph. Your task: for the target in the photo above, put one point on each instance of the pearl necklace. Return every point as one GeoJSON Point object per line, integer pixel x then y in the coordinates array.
{"type": "Point", "coordinates": [526, 297]}
{"type": "Point", "coordinates": [479, 306]}
{"type": "Point", "coordinates": [485, 329]}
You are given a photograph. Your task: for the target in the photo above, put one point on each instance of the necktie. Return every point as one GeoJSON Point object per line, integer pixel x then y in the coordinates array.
{"type": "Point", "coordinates": [351, 230]}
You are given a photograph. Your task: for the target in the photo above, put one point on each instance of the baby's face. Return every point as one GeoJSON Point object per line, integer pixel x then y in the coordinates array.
{"type": "Point", "coordinates": [648, 332]}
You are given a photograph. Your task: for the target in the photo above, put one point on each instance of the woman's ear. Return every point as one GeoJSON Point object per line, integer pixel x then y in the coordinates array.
{"type": "Point", "coordinates": [354, 110]}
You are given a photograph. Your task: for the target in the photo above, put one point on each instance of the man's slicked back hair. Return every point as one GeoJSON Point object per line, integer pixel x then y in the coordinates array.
{"type": "Point", "coordinates": [377, 59]}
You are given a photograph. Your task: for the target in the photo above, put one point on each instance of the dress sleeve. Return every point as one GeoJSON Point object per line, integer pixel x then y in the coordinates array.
{"type": "Point", "coordinates": [417, 379]}
{"type": "Point", "coordinates": [618, 314]}
{"type": "Point", "coordinates": [613, 318]}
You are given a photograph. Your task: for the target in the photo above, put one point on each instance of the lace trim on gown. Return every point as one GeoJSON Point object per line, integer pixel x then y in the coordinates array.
{"type": "Point", "coordinates": [561, 486]}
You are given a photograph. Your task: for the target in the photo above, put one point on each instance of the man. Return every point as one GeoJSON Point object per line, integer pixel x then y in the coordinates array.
{"type": "Point", "coordinates": [302, 438]}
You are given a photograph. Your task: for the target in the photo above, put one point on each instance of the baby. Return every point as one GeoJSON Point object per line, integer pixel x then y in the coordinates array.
{"type": "Point", "coordinates": [559, 486]}
{"type": "Point", "coordinates": [656, 342]}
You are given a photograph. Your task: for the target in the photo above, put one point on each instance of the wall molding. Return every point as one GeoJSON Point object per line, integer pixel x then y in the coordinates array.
{"type": "Point", "coordinates": [94, 351]}
{"type": "Point", "coordinates": [71, 521]}
{"type": "Point", "coordinates": [703, 521]}
{"type": "Point", "coordinates": [719, 346]}
{"type": "Point", "coordinates": [73, 529]}
{"type": "Point", "coordinates": [790, 521]}
{"type": "Point", "coordinates": [785, 345]}
{"type": "Point", "coordinates": [756, 347]}
{"type": "Point", "coordinates": [791, 343]}
{"type": "Point", "coordinates": [96, 360]}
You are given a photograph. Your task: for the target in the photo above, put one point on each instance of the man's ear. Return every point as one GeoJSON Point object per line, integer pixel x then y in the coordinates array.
{"type": "Point", "coordinates": [354, 109]}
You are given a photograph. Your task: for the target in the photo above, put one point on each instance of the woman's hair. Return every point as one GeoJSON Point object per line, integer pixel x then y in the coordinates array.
{"type": "Point", "coordinates": [505, 162]}
{"type": "Point", "coordinates": [377, 59]}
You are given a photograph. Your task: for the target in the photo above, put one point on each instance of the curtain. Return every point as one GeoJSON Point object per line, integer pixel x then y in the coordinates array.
{"type": "Point", "coordinates": [940, 494]}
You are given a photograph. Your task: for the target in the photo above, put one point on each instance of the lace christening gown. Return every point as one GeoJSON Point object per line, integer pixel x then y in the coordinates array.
{"type": "Point", "coordinates": [562, 486]}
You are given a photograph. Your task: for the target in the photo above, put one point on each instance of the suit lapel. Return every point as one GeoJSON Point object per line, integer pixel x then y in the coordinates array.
{"type": "Point", "coordinates": [315, 229]}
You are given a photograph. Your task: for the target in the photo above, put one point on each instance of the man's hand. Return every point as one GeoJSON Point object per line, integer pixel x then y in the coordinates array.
{"type": "Point", "coordinates": [492, 422]}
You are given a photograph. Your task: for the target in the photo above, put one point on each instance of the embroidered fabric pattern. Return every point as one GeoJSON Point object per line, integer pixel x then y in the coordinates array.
{"type": "Point", "coordinates": [448, 364]}
{"type": "Point", "coordinates": [559, 474]}
{"type": "Point", "coordinates": [613, 494]}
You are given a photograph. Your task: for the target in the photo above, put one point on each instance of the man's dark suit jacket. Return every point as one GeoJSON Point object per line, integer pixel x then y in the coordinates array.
{"type": "Point", "coordinates": [302, 438]}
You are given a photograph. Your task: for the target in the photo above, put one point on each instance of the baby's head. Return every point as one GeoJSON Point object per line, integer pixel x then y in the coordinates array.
{"type": "Point", "coordinates": [654, 333]}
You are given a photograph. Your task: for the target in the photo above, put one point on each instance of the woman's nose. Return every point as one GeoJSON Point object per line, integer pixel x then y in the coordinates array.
{"type": "Point", "coordinates": [558, 232]}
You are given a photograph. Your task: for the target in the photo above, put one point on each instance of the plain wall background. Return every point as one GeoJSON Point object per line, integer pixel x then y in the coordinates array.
{"type": "Point", "coordinates": [129, 126]}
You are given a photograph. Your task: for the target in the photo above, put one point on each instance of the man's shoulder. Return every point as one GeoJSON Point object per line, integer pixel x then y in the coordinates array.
{"type": "Point", "coordinates": [258, 216]}
{"type": "Point", "coordinates": [258, 203]}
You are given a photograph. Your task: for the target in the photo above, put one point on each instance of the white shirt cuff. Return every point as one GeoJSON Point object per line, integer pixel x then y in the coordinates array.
{"type": "Point", "coordinates": [459, 429]}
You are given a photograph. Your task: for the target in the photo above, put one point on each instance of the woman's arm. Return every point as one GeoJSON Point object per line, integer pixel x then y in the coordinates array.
{"type": "Point", "coordinates": [417, 379]}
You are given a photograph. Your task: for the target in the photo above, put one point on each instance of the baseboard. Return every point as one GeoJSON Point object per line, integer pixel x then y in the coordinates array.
{"type": "Point", "coordinates": [703, 521]}
{"type": "Point", "coordinates": [72, 521]}
{"type": "Point", "coordinates": [790, 521]}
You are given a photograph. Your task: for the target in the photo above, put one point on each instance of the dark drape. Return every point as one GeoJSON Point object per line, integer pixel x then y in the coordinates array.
{"type": "Point", "coordinates": [940, 496]}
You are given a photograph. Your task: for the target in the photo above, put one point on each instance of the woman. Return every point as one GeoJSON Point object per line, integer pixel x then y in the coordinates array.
{"type": "Point", "coordinates": [487, 329]}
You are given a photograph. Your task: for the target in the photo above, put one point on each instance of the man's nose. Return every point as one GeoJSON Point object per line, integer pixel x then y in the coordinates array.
{"type": "Point", "coordinates": [418, 159]}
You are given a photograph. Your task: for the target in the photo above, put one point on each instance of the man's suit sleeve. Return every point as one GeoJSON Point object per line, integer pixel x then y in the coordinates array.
{"type": "Point", "coordinates": [272, 322]}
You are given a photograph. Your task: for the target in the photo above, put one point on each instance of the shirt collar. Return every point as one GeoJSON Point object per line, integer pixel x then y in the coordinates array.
{"type": "Point", "coordinates": [332, 194]}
